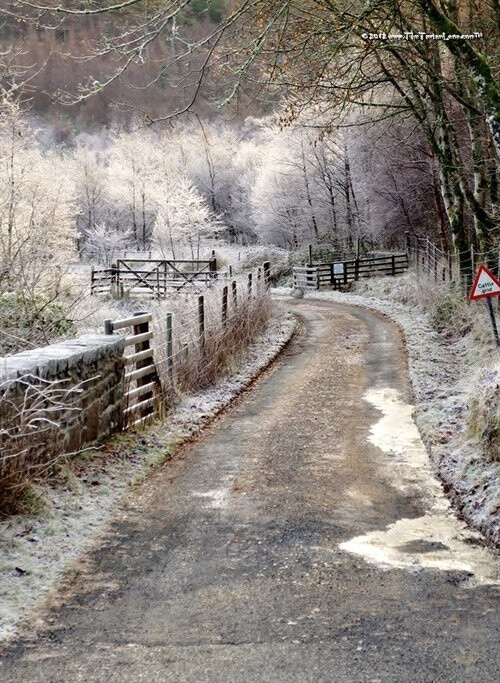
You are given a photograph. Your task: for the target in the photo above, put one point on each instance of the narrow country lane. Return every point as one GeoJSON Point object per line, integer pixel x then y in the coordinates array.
{"type": "Point", "coordinates": [263, 551]}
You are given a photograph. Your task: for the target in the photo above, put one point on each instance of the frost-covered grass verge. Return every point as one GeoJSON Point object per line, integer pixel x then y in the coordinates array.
{"type": "Point", "coordinates": [446, 376]}
{"type": "Point", "coordinates": [72, 509]}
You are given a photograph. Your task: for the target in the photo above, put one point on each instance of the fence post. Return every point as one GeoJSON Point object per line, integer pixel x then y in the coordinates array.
{"type": "Point", "coordinates": [201, 319]}
{"type": "Point", "coordinates": [472, 259]}
{"type": "Point", "coordinates": [108, 327]}
{"type": "Point", "coordinates": [310, 255]}
{"type": "Point", "coordinates": [144, 346]}
{"type": "Point", "coordinates": [115, 277]}
{"type": "Point", "coordinates": [356, 269]}
{"type": "Point", "coordinates": [213, 266]}
{"type": "Point", "coordinates": [259, 278]}
{"type": "Point", "coordinates": [224, 304]}
{"type": "Point", "coordinates": [267, 273]}
{"type": "Point", "coordinates": [230, 271]}
{"type": "Point", "coordinates": [234, 291]}
{"type": "Point", "coordinates": [427, 255]}
{"type": "Point", "coordinates": [393, 265]}
{"type": "Point", "coordinates": [170, 349]}
{"type": "Point", "coordinates": [250, 278]}
{"type": "Point", "coordinates": [407, 244]}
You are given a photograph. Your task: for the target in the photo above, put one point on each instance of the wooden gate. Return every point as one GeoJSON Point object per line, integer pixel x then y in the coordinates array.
{"type": "Point", "coordinates": [143, 397]}
{"type": "Point", "coordinates": [155, 278]}
{"type": "Point", "coordinates": [339, 274]}
{"type": "Point", "coordinates": [152, 278]}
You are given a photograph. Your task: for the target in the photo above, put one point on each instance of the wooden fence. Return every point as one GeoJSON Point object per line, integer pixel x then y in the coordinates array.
{"type": "Point", "coordinates": [152, 278]}
{"type": "Point", "coordinates": [152, 365]}
{"type": "Point", "coordinates": [102, 280]}
{"type": "Point", "coordinates": [339, 274]}
{"type": "Point", "coordinates": [142, 386]}
{"type": "Point", "coordinates": [428, 260]}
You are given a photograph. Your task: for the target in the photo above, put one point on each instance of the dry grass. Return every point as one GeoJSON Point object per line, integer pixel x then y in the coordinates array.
{"type": "Point", "coordinates": [483, 417]}
{"type": "Point", "coordinates": [32, 412]}
{"type": "Point", "coordinates": [448, 308]}
{"type": "Point", "coordinates": [197, 364]}
{"type": "Point", "coordinates": [199, 361]}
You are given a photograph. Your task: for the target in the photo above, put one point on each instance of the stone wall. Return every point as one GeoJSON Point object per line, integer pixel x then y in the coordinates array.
{"type": "Point", "coordinates": [59, 399]}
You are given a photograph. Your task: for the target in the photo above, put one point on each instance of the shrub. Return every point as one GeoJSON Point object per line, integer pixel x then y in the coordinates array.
{"type": "Point", "coordinates": [33, 412]}
{"type": "Point", "coordinates": [30, 320]}
{"type": "Point", "coordinates": [451, 314]}
{"type": "Point", "coordinates": [483, 416]}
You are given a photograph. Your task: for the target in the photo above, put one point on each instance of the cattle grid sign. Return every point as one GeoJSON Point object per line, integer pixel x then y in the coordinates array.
{"type": "Point", "coordinates": [486, 286]}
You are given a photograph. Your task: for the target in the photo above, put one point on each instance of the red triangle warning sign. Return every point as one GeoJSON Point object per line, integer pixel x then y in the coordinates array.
{"type": "Point", "coordinates": [485, 284]}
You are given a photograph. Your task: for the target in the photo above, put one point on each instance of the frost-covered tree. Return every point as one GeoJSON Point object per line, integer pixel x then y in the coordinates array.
{"type": "Point", "coordinates": [302, 189]}
{"type": "Point", "coordinates": [130, 168]}
{"type": "Point", "coordinates": [37, 235]}
{"type": "Point", "coordinates": [37, 208]}
{"type": "Point", "coordinates": [103, 243]}
{"type": "Point", "coordinates": [90, 177]}
{"type": "Point", "coordinates": [210, 150]}
{"type": "Point", "coordinates": [183, 218]}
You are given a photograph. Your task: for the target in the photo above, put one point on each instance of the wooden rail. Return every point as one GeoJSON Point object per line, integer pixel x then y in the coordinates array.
{"type": "Point", "coordinates": [150, 373]}
{"type": "Point", "coordinates": [339, 274]}
{"type": "Point", "coordinates": [142, 386]}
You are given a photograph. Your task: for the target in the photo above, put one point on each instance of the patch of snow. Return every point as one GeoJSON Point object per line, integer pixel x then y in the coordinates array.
{"type": "Point", "coordinates": [282, 291]}
{"type": "Point", "coordinates": [217, 497]}
{"type": "Point", "coordinates": [434, 541]}
{"type": "Point", "coordinates": [396, 434]}
{"type": "Point", "coordinates": [437, 540]}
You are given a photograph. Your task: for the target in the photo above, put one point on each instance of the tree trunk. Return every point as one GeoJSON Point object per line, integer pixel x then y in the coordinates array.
{"type": "Point", "coordinates": [308, 193]}
{"type": "Point", "coordinates": [440, 210]}
{"type": "Point", "coordinates": [475, 63]}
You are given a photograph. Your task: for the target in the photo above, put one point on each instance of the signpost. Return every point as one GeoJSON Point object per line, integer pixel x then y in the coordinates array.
{"type": "Point", "coordinates": [486, 286]}
{"type": "Point", "coordinates": [337, 274]}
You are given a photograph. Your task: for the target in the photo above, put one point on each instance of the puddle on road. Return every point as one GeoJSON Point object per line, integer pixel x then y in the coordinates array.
{"type": "Point", "coordinates": [438, 540]}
